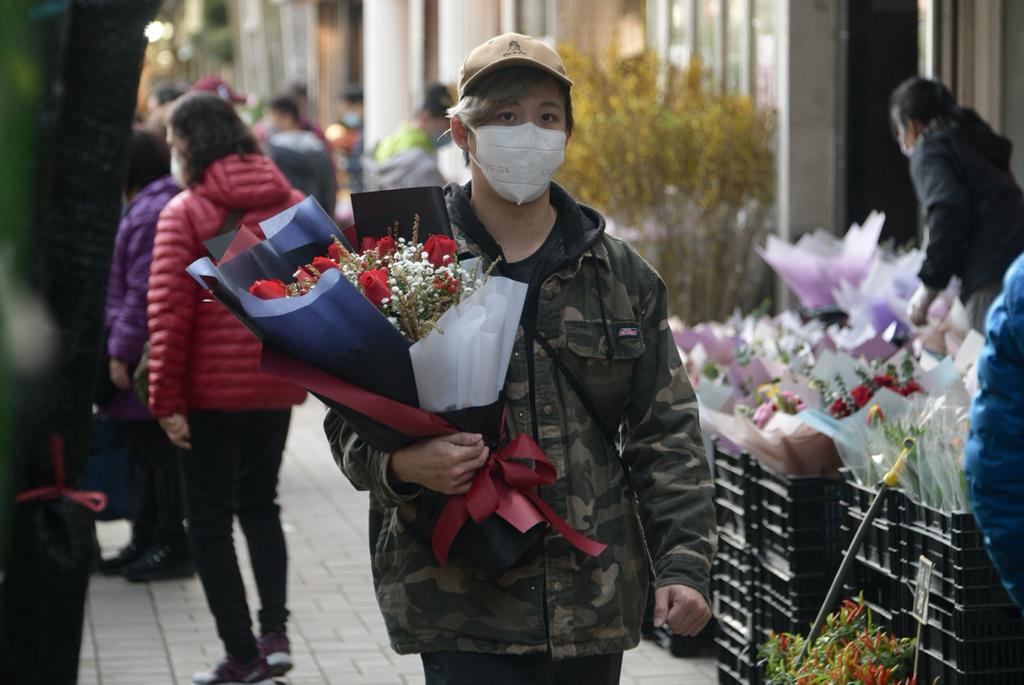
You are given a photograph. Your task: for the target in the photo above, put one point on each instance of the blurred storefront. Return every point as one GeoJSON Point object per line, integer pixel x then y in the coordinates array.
{"type": "Point", "coordinates": [826, 67]}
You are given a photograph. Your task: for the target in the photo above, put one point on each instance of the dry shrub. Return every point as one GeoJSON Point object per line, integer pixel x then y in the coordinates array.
{"type": "Point", "coordinates": [689, 171]}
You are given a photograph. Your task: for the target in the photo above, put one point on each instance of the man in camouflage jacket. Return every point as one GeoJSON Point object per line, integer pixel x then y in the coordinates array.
{"type": "Point", "coordinates": [602, 309]}
{"type": "Point", "coordinates": [583, 605]}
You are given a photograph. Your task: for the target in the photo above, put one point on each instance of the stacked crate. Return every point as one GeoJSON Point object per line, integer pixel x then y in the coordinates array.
{"type": "Point", "coordinates": [799, 549]}
{"type": "Point", "coordinates": [734, 574]}
{"type": "Point", "coordinates": [779, 547]}
{"type": "Point", "coordinates": [879, 567]}
{"type": "Point", "coordinates": [781, 539]}
{"type": "Point", "coordinates": [974, 634]}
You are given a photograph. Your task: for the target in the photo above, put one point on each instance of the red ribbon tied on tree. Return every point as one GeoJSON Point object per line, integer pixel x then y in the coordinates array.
{"type": "Point", "coordinates": [505, 486]}
{"type": "Point", "coordinates": [94, 501]}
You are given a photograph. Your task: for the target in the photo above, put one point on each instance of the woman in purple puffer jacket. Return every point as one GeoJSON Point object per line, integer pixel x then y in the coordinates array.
{"type": "Point", "coordinates": [158, 547]}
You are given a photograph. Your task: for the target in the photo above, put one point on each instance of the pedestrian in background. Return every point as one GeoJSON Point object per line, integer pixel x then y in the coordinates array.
{"type": "Point", "coordinates": [351, 143]}
{"type": "Point", "coordinates": [229, 422]}
{"type": "Point", "coordinates": [595, 378]}
{"type": "Point", "coordinates": [158, 106]}
{"type": "Point", "coordinates": [302, 157]}
{"type": "Point", "coordinates": [408, 157]}
{"type": "Point", "coordinates": [219, 87]}
{"type": "Point", "coordinates": [299, 94]}
{"type": "Point", "coordinates": [974, 209]}
{"type": "Point", "coordinates": [158, 548]}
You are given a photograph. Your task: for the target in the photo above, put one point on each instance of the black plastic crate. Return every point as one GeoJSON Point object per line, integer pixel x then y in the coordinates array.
{"type": "Point", "coordinates": [776, 615]}
{"type": "Point", "coordinates": [882, 544]}
{"type": "Point", "coordinates": [732, 468]}
{"type": "Point", "coordinates": [798, 521]}
{"type": "Point", "coordinates": [737, 659]}
{"type": "Point", "coordinates": [958, 530]}
{"type": "Point", "coordinates": [931, 665]}
{"type": "Point", "coordinates": [797, 490]}
{"type": "Point", "coordinates": [732, 603]}
{"type": "Point", "coordinates": [883, 591]}
{"type": "Point", "coordinates": [966, 587]}
{"type": "Point", "coordinates": [877, 546]}
{"type": "Point", "coordinates": [736, 563]}
{"type": "Point", "coordinates": [973, 655]}
{"type": "Point", "coordinates": [858, 499]}
{"type": "Point", "coordinates": [945, 556]}
{"type": "Point", "coordinates": [733, 546]}
{"type": "Point", "coordinates": [735, 518]}
{"type": "Point", "coordinates": [799, 591]}
{"type": "Point", "coordinates": [976, 623]}
{"type": "Point", "coordinates": [735, 495]}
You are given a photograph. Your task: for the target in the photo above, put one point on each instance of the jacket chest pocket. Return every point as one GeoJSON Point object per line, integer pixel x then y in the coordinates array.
{"type": "Point", "coordinates": [602, 358]}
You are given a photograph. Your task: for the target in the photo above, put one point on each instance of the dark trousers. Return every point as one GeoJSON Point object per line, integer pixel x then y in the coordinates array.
{"type": "Point", "coordinates": [471, 668]}
{"type": "Point", "coordinates": [232, 469]}
{"type": "Point", "coordinates": [159, 508]}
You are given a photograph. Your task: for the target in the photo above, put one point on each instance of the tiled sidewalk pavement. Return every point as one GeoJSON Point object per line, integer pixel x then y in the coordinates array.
{"type": "Point", "coordinates": [159, 633]}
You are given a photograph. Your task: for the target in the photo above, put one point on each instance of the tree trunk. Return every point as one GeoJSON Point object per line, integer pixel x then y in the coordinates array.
{"type": "Point", "coordinates": [89, 101]}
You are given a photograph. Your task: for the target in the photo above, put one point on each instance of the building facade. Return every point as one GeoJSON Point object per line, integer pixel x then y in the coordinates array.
{"type": "Point", "coordinates": [826, 68]}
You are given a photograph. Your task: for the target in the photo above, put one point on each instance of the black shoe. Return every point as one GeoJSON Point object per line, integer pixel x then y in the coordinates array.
{"type": "Point", "coordinates": [131, 552]}
{"type": "Point", "coordinates": [161, 562]}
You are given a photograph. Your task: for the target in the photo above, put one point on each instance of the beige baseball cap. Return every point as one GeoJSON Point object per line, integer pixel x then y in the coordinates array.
{"type": "Point", "coordinates": [509, 50]}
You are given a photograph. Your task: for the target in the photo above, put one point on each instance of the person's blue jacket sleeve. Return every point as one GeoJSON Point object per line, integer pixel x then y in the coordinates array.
{"type": "Point", "coordinates": [994, 461]}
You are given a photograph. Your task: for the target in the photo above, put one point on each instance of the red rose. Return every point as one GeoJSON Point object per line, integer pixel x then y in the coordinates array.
{"type": "Point", "coordinates": [334, 252]}
{"type": "Point", "coordinates": [270, 289]}
{"type": "Point", "coordinates": [302, 276]}
{"type": "Point", "coordinates": [910, 388]}
{"type": "Point", "coordinates": [323, 264]}
{"type": "Point", "coordinates": [438, 248]}
{"type": "Point", "coordinates": [375, 285]}
{"type": "Point", "coordinates": [839, 409]}
{"type": "Point", "coordinates": [386, 246]}
{"type": "Point", "coordinates": [367, 244]}
{"type": "Point", "coordinates": [884, 381]}
{"type": "Point", "coordinates": [861, 395]}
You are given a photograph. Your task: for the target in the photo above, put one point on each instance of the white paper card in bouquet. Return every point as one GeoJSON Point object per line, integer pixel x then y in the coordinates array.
{"type": "Point", "coordinates": [463, 363]}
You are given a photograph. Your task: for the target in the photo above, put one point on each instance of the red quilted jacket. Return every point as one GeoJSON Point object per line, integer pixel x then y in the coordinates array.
{"type": "Point", "coordinates": [200, 356]}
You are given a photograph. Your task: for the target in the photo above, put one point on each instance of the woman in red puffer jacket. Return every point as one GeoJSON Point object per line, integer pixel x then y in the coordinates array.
{"type": "Point", "coordinates": [229, 421]}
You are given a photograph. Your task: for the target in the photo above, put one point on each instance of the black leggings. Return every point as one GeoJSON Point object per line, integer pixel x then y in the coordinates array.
{"type": "Point", "coordinates": [471, 668]}
{"type": "Point", "coordinates": [231, 469]}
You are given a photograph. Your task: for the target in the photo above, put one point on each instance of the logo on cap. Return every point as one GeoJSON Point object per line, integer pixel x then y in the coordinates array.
{"type": "Point", "coordinates": [513, 49]}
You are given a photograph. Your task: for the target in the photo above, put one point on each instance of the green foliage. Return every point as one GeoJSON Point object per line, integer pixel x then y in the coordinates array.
{"type": "Point", "coordinates": [691, 169]}
{"type": "Point", "coordinates": [21, 84]}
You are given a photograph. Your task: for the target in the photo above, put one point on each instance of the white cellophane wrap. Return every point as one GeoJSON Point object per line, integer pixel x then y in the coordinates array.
{"type": "Point", "coordinates": [463, 363]}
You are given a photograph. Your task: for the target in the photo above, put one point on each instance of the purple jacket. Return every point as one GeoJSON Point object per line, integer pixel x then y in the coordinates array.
{"type": "Point", "coordinates": [129, 282]}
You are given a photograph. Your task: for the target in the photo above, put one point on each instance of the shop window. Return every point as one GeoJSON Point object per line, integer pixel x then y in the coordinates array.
{"type": "Point", "coordinates": [765, 61]}
{"type": "Point", "coordinates": [680, 31]}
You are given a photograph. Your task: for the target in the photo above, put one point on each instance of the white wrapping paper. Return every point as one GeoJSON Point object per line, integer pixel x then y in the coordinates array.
{"type": "Point", "coordinates": [464, 362]}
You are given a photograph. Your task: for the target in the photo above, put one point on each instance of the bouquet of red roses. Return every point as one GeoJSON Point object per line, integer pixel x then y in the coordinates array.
{"type": "Point", "coordinates": [843, 401]}
{"type": "Point", "coordinates": [401, 338]}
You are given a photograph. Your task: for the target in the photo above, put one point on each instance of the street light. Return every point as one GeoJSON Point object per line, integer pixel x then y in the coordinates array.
{"type": "Point", "coordinates": [154, 31]}
{"type": "Point", "coordinates": [158, 30]}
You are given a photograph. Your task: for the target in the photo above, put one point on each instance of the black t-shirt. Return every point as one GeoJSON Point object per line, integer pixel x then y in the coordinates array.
{"type": "Point", "coordinates": [523, 270]}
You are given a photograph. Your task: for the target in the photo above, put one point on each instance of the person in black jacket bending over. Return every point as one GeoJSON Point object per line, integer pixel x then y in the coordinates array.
{"type": "Point", "coordinates": [974, 209]}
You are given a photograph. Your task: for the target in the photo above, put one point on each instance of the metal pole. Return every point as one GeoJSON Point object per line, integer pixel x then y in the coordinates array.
{"type": "Point", "coordinates": [890, 480]}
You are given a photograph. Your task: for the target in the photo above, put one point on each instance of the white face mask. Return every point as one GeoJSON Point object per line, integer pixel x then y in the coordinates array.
{"type": "Point", "coordinates": [519, 161]}
{"type": "Point", "coordinates": [178, 169]}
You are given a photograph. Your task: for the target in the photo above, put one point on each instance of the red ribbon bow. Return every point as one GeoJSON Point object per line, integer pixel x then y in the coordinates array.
{"type": "Point", "coordinates": [94, 501]}
{"type": "Point", "coordinates": [505, 486]}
